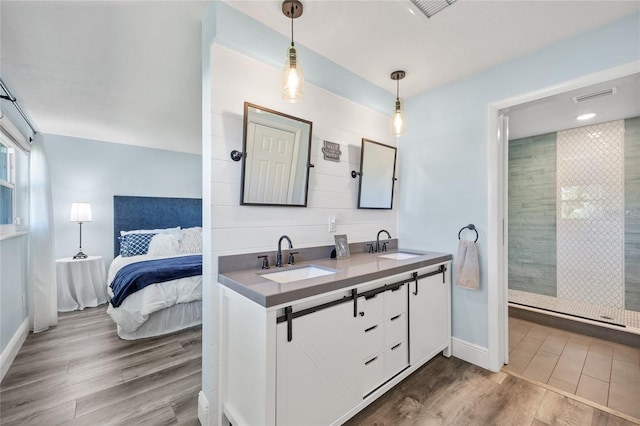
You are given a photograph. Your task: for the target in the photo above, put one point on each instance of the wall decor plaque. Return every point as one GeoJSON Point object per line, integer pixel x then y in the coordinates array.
{"type": "Point", "coordinates": [331, 151]}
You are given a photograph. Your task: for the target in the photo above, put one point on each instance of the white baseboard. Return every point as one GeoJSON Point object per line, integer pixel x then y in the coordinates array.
{"type": "Point", "coordinates": [470, 352]}
{"type": "Point", "coordinates": [203, 409]}
{"type": "Point", "coordinates": [9, 353]}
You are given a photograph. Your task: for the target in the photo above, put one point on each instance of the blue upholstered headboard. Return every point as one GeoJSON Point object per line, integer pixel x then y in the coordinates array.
{"type": "Point", "coordinates": [131, 213]}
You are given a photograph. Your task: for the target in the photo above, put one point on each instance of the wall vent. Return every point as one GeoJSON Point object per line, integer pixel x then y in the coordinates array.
{"type": "Point", "coordinates": [431, 7]}
{"type": "Point", "coordinates": [594, 95]}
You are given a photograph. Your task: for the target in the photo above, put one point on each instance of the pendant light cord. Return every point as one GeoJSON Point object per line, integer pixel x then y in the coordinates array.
{"type": "Point", "coordinates": [397, 89]}
{"type": "Point", "coordinates": [292, 9]}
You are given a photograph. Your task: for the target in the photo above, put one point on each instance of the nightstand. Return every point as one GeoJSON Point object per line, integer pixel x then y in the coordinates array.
{"type": "Point", "coordinates": [81, 283]}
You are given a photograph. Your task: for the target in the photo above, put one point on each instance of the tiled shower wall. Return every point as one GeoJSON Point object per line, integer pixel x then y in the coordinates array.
{"type": "Point", "coordinates": [532, 214]}
{"type": "Point", "coordinates": [632, 213]}
{"type": "Point", "coordinates": [590, 204]}
{"type": "Point", "coordinates": [600, 231]}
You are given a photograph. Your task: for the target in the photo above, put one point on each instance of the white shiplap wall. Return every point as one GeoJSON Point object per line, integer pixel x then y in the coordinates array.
{"type": "Point", "coordinates": [332, 191]}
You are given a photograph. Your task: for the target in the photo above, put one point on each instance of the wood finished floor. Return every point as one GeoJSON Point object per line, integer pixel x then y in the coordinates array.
{"type": "Point", "coordinates": [81, 373]}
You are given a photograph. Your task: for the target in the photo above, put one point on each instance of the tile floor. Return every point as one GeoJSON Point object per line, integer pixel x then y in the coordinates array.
{"type": "Point", "coordinates": [597, 370]}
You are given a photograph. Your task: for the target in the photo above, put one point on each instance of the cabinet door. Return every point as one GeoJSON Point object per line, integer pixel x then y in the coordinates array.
{"type": "Point", "coordinates": [429, 322]}
{"type": "Point", "coordinates": [318, 372]}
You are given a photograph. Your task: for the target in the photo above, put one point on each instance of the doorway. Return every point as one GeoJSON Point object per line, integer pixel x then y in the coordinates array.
{"type": "Point", "coordinates": [498, 235]}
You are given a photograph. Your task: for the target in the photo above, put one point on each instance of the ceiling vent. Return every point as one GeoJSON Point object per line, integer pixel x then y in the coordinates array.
{"type": "Point", "coordinates": [431, 7]}
{"type": "Point", "coordinates": [594, 95]}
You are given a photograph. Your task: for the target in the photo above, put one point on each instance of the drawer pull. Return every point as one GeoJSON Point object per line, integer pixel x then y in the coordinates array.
{"type": "Point", "coordinates": [396, 346]}
{"type": "Point", "coordinates": [371, 297]}
{"type": "Point", "coordinates": [395, 318]}
{"type": "Point", "coordinates": [397, 288]}
{"type": "Point", "coordinates": [354, 295]}
{"type": "Point", "coordinates": [371, 328]}
{"type": "Point", "coordinates": [371, 360]}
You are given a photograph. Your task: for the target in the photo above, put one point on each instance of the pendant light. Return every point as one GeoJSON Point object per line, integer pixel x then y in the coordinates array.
{"type": "Point", "coordinates": [292, 80]}
{"type": "Point", "coordinates": [398, 122]}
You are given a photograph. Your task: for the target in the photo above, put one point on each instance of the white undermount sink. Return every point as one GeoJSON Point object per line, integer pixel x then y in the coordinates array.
{"type": "Point", "coordinates": [297, 274]}
{"type": "Point", "coordinates": [400, 255]}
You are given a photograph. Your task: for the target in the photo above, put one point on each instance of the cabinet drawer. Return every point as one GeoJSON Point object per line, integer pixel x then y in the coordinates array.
{"type": "Point", "coordinates": [396, 358]}
{"type": "Point", "coordinates": [372, 308]}
{"type": "Point", "coordinates": [373, 340]}
{"type": "Point", "coordinates": [395, 302]}
{"type": "Point", "coordinates": [395, 329]}
{"type": "Point", "coordinates": [373, 373]}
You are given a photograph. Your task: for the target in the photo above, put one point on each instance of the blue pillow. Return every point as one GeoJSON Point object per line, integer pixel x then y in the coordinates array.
{"type": "Point", "coordinates": [134, 244]}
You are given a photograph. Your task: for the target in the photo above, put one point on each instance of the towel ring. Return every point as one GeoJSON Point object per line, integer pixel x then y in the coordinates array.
{"type": "Point", "coordinates": [472, 227]}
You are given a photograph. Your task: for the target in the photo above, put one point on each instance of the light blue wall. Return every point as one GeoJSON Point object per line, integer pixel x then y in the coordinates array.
{"type": "Point", "coordinates": [13, 287]}
{"type": "Point", "coordinates": [95, 171]}
{"type": "Point", "coordinates": [443, 157]}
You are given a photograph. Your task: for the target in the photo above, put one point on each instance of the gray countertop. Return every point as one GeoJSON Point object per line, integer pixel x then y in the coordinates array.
{"type": "Point", "coordinates": [357, 269]}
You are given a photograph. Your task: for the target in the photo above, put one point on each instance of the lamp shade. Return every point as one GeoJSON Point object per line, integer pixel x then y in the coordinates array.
{"type": "Point", "coordinates": [80, 212]}
{"type": "Point", "coordinates": [398, 123]}
{"type": "Point", "coordinates": [292, 78]}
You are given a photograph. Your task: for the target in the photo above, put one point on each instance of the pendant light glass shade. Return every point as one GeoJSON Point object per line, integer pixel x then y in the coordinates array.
{"type": "Point", "coordinates": [292, 80]}
{"type": "Point", "coordinates": [398, 123]}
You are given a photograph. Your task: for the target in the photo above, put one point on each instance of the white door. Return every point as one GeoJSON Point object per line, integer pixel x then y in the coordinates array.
{"type": "Point", "coordinates": [428, 317]}
{"type": "Point", "coordinates": [318, 371]}
{"type": "Point", "coordinates": [271, 166]}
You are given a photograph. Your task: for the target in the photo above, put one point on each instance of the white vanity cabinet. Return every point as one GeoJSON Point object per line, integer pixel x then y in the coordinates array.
{"type": "Point", "coordinates": [320, 360]}
{"type": "Point", "coordinates": [429, 315]}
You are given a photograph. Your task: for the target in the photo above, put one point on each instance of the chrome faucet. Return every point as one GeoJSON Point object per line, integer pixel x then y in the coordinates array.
{"type": "Point", "coordinates": [279, 255]}
{"type": "Point", "coordinates": [378, 239]}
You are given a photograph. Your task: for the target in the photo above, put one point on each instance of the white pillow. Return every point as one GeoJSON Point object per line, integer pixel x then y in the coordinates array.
{"type": "Point", "coordinates": [191, 240]}
{"type": "Point", "coordinates": [164, 245]}
{"type": "Point", "coordinates": [176, 231]}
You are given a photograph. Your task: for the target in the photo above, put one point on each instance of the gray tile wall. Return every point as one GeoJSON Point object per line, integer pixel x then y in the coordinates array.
{"type": "Point", "coordinates": [632, 213]}
{"type": "Point", "coordinates": [532, 214]}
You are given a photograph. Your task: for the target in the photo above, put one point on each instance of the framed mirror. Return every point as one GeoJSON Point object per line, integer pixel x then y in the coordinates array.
{"type": "Point", "coordinates": [275, 163]}
{"type": "Point", "coordinates": [377, 175]}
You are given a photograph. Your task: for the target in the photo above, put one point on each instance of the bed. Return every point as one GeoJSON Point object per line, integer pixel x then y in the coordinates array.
{"type": "Point", "coordinates": [155, 280]}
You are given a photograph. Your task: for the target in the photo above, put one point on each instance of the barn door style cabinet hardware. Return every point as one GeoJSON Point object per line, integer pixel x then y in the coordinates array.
{"type": "Point", "coordinates": [346, 347]}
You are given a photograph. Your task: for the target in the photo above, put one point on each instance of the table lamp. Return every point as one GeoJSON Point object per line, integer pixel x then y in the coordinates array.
{"type": "Point", "coordinates": [80, 212]}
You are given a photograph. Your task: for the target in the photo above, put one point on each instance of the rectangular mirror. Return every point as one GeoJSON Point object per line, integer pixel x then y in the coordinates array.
{"type": "Point", "coordinates": [275, 164]}
{"type": "Point", "coordinates": [377, 175]}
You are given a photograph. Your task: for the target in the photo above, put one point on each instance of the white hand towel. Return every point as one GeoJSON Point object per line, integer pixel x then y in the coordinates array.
{"type": "Point", "coordinates": [467, 265]}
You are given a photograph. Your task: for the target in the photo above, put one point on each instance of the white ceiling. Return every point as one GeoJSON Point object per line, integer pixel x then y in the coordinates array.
{"type": "Point", "coordinates": [374, 38]}
{"type": "Point", "coordinates": [129, 72]}
{"type": "Point", "coordinates": [559, 112]}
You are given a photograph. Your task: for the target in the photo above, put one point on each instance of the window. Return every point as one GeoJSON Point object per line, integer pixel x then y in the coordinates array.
{"type": "Point", "coordinates": [14, 180]}
{"type": "Point", "coordinates": [7, 183]}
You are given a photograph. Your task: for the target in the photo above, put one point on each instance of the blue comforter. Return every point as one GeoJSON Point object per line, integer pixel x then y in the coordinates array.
{"type": "Point", "coordinates": [137, 276]}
